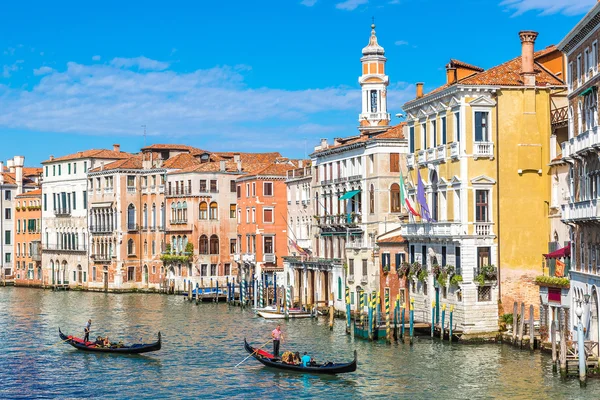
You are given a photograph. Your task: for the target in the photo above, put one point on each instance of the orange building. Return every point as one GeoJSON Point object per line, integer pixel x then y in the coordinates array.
{"type": "Point", "coordinates": [28, 239]}
{"type": "Point", "coordinates": [262, 221]}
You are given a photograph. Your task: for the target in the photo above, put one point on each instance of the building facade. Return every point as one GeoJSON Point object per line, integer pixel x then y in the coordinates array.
{"type": "Point", "coordinates": [28, 239]}
{"type": "Point", "coordinates": [479, 155]}
{"type": "Point", "coordinates": [581, 152]}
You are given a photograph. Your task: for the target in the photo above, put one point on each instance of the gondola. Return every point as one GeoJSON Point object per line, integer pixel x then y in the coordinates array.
{"type": "Point", "coordinates": [138, 348]}
{"type": "Point", "coordinates": [269, 360]}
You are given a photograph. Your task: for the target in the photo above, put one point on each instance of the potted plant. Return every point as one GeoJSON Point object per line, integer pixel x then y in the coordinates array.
{"type": "Point", "coordinates": [486, 273]}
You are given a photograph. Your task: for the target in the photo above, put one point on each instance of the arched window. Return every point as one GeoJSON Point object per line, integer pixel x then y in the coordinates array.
{"type": "Point", "coordinates": [184, 243]}
{"type": "Point", "coordinates": [130, 247]}
{"type": "Point", "coordinates": [153, 216]}
{"type": "Point", "coordinates": [184, 211]}
{"type": "Point", "coordinates": [146, 247]}
{"type": "Point", "coordinates": [203, 245]}
{"type": "Point", "coordinates": [395, 198]}
{"type": "Point", "coordinates": [131, 217]}
{"type": "Point", "coordinates": [179, 209]}
{"type": "Point", "coordinates": [214, 244]}
{"type": "Point", "coordinates": [163, 216]}
{"type": "Point", "coordinates": [203, 210]}
{"type": "Point", "coordinates": [434, 196]}
{"type": "Point", "coordinates": [145, 215]}
{"type": "Point", "coordinates": [173, 211]}
{"type": "Point", "coordinates": [372, 199]}
{"type": "Point", "coordinates": [213, 210]}
{"type": "Point", "coordinates": [339, 288]}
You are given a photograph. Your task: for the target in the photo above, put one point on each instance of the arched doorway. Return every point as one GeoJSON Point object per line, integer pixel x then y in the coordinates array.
{"type": "Point", "coordinates": [145, 275]}
{"type": "Point", "coordinates": [340, 289]}
{"type": "Point", "coordinates": [105, 277]}
{"type": "Point", "coordinates": [52, 271]}
{"type": "Point", "coordinates": [79, 275]}
{"type": "Point", "coordinates": [64, 273]}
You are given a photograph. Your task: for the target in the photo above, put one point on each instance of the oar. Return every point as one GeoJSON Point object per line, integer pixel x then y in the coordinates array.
{"type": "Point", "coordinates": [59, 342]}
{"type": "Point", "coordinates": [252, 353]}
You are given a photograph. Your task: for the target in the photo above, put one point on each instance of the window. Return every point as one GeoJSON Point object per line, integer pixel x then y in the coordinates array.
{"type": "Point", "coordinates": [371, 199]}
{"type": "Point", "coordinates": [268, 189]}
{"type": "Point", "coordinates": [253, 215]}
{"type": "Point", "coordinates": [130, 181]}
{"type": "Point", "coordinates": [394, 162]}
{"type": "Point", "coordinates": [351, 266]}
{"type": "Point", "coordinates": [18, 226]}
{"type": "Point", "coordinates": [373, 101]}
{"type": "Point", "coordinates": [457, 261]}
{"type": "Point", "coordinates": [85, 199]}
{"type": "Point", "coordinates": [203, 270]}
{"type": "Point", "coordinates": [7, 195]}
{"type": "Point", "coordinates": [7, 213]}
{"type": "Point", "coordinates": [214, 211]}
{"type": "Point", "coordinates": [74, 202]}
{"type": "Point", "coordinates": [203, 245]}
{"type": "Point", "coordinates": [579, 69]}
{"type": "Point", "coordinates": [46, 171]}
{"type": "Point", "coordinates": [483, 256]}
{"type": "Point", "coordinates": [481, 206]}
{"type": "Point", "coordinates": [74, 168]}
{"type": "Point", "coordinates": [7, 237]}
{"type": "Point", "coordinates": [434, 132]}
{"type": "Point", "coordinates": [443, 121]}
{"type": "Point", "coordinates": [385, 262]}
{"type": "Point", "coordinates": [232, 211]}
{"type": "Point", "coordinates": [69, 169]}
{"type": "Point", "coordinates": [54, 170]}
{"type": "Point", "coordinates": [214, 244]}
{"type": "Point", "coordinates": [268, 215]}
{"type": "Point", "coordinates": [153, 249]}
{"type": "Point", "coordinates": [130, 247]}
{"type": "Point", "coordinates": [411, 139]}
{"type": "Point", "coordinates": [253, 188]}
{"type": "Point", "coordinates": [213, 186]}
{"type": "Point", "coordinates": [481, 126]}
{"type": "Point", "coordinates": [130, 273]}
{"type": "Point", "coordinates": [232, 247]}
{"type": "Point", "coordinates": [423, 136]}
{"type": "Point", "coordinates": [395, 198]}
{"type": "Point", "coordinates": [59, 170]}
{"type": "Point", "coordinates": [484, 293]}
{"type": "Point", "coordinates": [213, 269]}
{"type": "Point", "coordinates": [239, 191]}
{"type": "Point", "coordinates": [268, 245]}
{"type": "Point", "coordinates": [131, 217]}
{"type": "Point", "coordinates": [594, 58]}
{"type": "Point", "coordinates": [364, 267]}
{"type": "Point", "coordinates": [45, 202]}
{"type": "Point", "coordinates": [586, 62]}
{"type": "Point", "coordinates": [227, 269]}
{"type": "Point", "coordinates": [570, 76]}
{"type": "Point", "coordinates": [203, 210]}
{"type": "Point", "coordinates": [232, 187]}
{"type": "Point", "coordinates": [85, 166]}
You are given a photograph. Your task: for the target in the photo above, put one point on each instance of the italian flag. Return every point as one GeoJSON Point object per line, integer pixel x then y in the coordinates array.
{"type": "Point", "coordinates": [404, 198]}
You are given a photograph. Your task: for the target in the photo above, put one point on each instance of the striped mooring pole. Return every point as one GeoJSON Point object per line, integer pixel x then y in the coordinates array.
{"type": "Point", "coordinates": [362, 309]}
{"type": "Point", "coordinates": [378, 307]}
{"type": "Point", "coordinates": [370, 317]}
{"type": "Point", "coordinates": [397, 317]}
{"type": "Point", "coordinates": [450, 333]}
{"type": "Point", "coordinates": [374, 325]}
{"type": "Point", "coordinates": [348, 316]}
{"type": "Point", "coordinates": [402, 322]}
{"type": "Point", "coordinates": [412, 320]}
{"type": "Point", "coordinates": [388, 331]}
{"type": "Point", "coordinates": [261, 298]}
{"type": "Point", "coordinates": [288, 301]}
{"type": "Point", "coordinates": [432, 317]}
{"type": "Point", "coordinates": [442, 330]}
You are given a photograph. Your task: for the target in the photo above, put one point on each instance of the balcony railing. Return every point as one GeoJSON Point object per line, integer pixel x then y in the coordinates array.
{"type": "Point", "coordinates": [483, 149]}
{"type": "Point", "coordinates": [354, 178]}
{"type": "Point", "coordinates": [433, 229]}
{"type": "Point", "coordinates": [581, 142]}
{"type": "Point", "coordinates": [410, 160]}
{"type": "Point", "coordinates": [430, 154]}
{"type": "Point", "coordinates": [54, 247]}
{"type": "Point", "coordinates": [130, 189]}
{"type": "Point", "coordinates": [351, 278]}
{"type": "Point", "coordinates": [101, 229]}
{"type": "Point", "coordinates": [484, 229]}
{"type": "Point", "coordinates": [62, 212]}
{"type": "Point", "coordinates": [101, 257]}
{"type": "Point", "coordinates": [248, 257]}
{"type": "Point", "coordinates": [108, 190]}
{"type": "Point", "coordinates": [269, 258]}
{"type": "Point", "coordinates": [364, 279]}
{"type": "Point", "coordinates": [559, 116]}
{"type": "Point", "coordinates": [179, 191]}
{"type": "Point", "coordinates": [326, 182]}
{"type": "Point", "coordinates": [178, 221]}
{"type": "Point", "coordinates": [454, 150]}
{"type": "Point", "coordinates": [581, 210]}
{"type": "Point", "coordinates": [161, 188]}
{"type": "Point", "coordinates": [421, 157]}
{"type": "Point", "coordinates": [133, 227]}
{"type": "Point", "coordinates": [440, 153]}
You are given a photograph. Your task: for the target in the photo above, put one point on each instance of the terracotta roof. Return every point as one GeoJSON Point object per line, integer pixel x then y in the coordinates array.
{"type": "Point", "coordinates": [133, 162]}
{"type": "Point", "coordinates": [30, 171]}
{"type": "Point", "coordinates": [507, 74]}
{"type": "Point", "coordinates": [393, 239]}
{"type": "Point", "coordinates": [458, 63]}
{"type": "Point", "coordinates": [169, 146]}
{"type": "Point", "coordinates": [31, 193]}
{"type": "Point", "coordinates": [275, 169]}
{"type": "Point", "coordinates": [183, 160]}
{"type": "Point", "coordinates": [94, 153]}
{"type": "Point", "coordinates": [394, 132]}
{"type": "Point", "coordinates": [9, 178]}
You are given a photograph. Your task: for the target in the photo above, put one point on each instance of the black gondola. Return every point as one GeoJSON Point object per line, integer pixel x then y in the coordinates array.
{"type": "Point", "coordinates": [329, 368]}
{"type": "Point", "coordinates": [138, 348]}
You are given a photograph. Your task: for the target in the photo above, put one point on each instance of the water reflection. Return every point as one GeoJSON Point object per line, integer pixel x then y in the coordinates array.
{"type": "Point", "coordinates": [202, 344]}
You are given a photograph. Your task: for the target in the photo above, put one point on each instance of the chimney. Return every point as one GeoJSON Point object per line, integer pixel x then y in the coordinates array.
{"type": "Point", "coordinates": [11, 166]}
{"type": "Point", "coordinates": [18, 162]}
{"type": "Point", "coordinates": [324, 144]}
{"type": "Point", "coordinates": [51, 157]}
{"type": "Point", "coordinates": [419, 90]}
{"type": "Point", "coordinates": [300, 164]}
{"type": "Point", "coordinates": [236, 157]}
{"type": "Point", "coordinates": [117, 148]}
{"type": "Point", "coordinates": [239, 165]}
{"type": "Point", "coordinates": [450, 74]}
{"type": "Point", "coordinates": [527, 43]}
{"type": "Point", "coordinates": [222, 165]}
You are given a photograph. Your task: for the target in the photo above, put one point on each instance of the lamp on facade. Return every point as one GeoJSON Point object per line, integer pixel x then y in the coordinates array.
{"type": "Point", "coordinates": [586, 298]}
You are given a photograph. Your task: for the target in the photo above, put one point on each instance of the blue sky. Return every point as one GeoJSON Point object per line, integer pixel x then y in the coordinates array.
{"type": "Point", "coordinates": [260, 75]}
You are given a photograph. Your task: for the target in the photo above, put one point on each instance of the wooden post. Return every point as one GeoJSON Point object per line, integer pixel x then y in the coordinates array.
{"type": "Point", "coordinates": [402, 323]}
{"type": "Point", "coordinates": [347, 310]}
{"type": "Point", "coordinates": [412, 319]}
{"type": "Point", "coordinates": [553, 339]}
{"type": "Point", "coordinates": [531, 329]}
{"type": "Point", "coordinates": [450, 332]}
{"type": "Point", "coordinates": [331, 311]}
{"type": "Point", "coordinates": [370, 317]}
{"type": "Point", "coordinates": [514, 324]}
{"type": "Point", "coordinates": [443, 319]}
{"type": "Point", "coordinates": [432, 317]}
{"type": "Point", "coordinates": [522, 325]}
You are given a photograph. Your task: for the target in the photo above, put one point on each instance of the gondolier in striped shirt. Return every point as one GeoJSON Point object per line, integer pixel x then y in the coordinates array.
{"type": "Point", "coordinates": [277, 336]}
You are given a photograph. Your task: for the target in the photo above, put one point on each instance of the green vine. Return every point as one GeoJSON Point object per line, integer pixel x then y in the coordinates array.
{"type": "Point", "coordinates": [553, 281]}
{"type": "Point", "coordinates": [486, 273]}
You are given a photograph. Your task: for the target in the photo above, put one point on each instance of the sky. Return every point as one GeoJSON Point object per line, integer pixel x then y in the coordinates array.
{"type": "Point", "coordinates": [234, 75]}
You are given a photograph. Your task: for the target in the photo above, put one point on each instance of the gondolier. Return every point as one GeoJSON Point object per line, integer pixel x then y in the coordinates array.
{"type": "Point", "coordinates": [277, 336]}
{"type": "Point", "coordinates": [86, 331]}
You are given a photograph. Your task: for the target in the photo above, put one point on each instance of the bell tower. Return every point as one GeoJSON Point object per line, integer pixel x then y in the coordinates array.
{"type": "Point", "coordinates": [374, 82]}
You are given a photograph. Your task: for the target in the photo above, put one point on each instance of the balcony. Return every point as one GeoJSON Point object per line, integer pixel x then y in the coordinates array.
{"type": "Point", "coordinates": [410, 161]}
{"type": "Point", "coordinates": [340, 180]}
{"type": "Point", "coordinates": [483, 149]}
{"type": "Point", "coordinates": [421, 157]}
{"type": "Point", "coordinates": [350, 278]}
{"type": "Point", "coordinates": [433, 229]}
{"type": "Point", "coordinates": [178, 221]}
{"type": "Point", "coordinates": [101, 229]}
{"type": "Point", "coordinates": [133, 227]}
{"type": "Point", "coordinates": [269, 258]}
{"type": "Point", "coordinates": [326, 182]}
{"type": "Point", "coordinates": [585, 141]}
{"type": "Point", "coordinates": [62, 212]}
{"type": "Point", "coordinates": [364, 279]}
{"type": "Point", "coordinates": [173, 192]}
{"type": "Point", "coordinates": [161, 188]}
{"type": "Point", "coordinates": [559, 116]}
{"type": "Point", "coordinates": [248, 257]}
{"type": "Point", "coordinates": [354, 178]}
{"type": "Point", "coordinates": [454, 150]}
{"type": "Point", "coordinates": [64, 249]}
{"type": "Point", "coordinates": [586, 210]}
{"type": "Point", "coordinates": [101, 258]}
{"type": "Point", "coordinates": [108, 190]}
{"type": "Point", "coordinates": [131, 189]}
{"type": "Point", "coordinates": [484, 229]}
{"type": "Point", "coordinates": [440, 153]}
{"type": "Point", "coordinates": [430, 154]}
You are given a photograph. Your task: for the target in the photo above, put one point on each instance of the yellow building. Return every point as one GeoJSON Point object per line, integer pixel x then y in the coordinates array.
{"type": "Point", "coordinates": [482, 145]}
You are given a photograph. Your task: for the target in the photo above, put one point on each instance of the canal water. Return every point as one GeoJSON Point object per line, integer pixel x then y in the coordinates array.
{"type": "Point", "coordinates": [202, 344]}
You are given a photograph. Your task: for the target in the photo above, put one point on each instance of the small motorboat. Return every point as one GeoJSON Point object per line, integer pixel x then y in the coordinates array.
{"type": "Point", "coordinates": [267, 308]}
{"type": "Point", "coordinates": [138, 348]}
{"type": "Point", "coordinates": [329, 368]}
{"type": "Point", "coordinates": [281, 315]}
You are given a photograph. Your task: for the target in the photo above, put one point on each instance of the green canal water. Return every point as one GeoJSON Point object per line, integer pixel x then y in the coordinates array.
{"type": "Point", "coordinates": [202, 344]}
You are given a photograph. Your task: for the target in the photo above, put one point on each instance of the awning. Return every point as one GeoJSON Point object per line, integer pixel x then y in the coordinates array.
{"type": "Point", "coordinates": [349, 195]}
{"type": "Point", "coordinates": [560, 253]}
{"type": "Point", "coordinates": [587, 91]}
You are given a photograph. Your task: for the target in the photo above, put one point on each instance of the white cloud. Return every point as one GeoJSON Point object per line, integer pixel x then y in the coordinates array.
{"type": "Point", "coordinates": [96, 58]}
{"type": "Point", "coordinates": [350, 5]}
{"type": "Point", "coordinates": [142, 63]}
{"type": "Point", "coordinates": [7, 70]}
{"type": "Point", "coordinates": [567, 7]}
{"type": "Point", "coordinates": [308, 3]}
{"type": "Point", "coordinates": [400, 42]}
{"type": "Point", "coordinates": [42, 71]}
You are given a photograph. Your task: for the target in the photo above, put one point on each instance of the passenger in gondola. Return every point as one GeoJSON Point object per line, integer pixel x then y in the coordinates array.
{"type": "Point", "coordinates": [306, 360]}
{"type": "Point", "coordinates": [297, 359]}
{"type": "Point", "coordinates": [106, 342]}
{"type": "Point", "coordinates": [99, 341]}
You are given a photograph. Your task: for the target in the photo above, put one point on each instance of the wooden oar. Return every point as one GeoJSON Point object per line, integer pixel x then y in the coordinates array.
{"type": "Point", "coordinates": [268, 341]}
{"type": "Point", "coordinates": [59, 342]}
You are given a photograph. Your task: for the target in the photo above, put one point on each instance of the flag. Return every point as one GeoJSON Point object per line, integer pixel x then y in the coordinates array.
{"type": "Point", "coordinates": [404, 198]}
{"type": "Point", "coordinates": [560, 269]}
{"type": "Point", "coordinates": [298, 248]}
{"type": "Point", "coordinates": [421, 198]}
